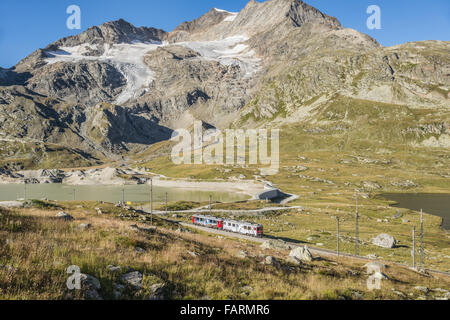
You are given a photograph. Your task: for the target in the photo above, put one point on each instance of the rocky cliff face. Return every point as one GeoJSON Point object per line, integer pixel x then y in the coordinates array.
{"type": "Point", "coordinates": [118, 88]}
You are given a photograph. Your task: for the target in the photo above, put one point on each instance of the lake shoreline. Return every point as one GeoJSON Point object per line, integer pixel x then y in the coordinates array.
{"type": "Point", "coordinates": [436, 204]}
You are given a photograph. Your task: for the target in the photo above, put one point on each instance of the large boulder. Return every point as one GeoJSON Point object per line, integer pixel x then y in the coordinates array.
{"type": "Point", "coordinates": [301, 253]}
{"type": "Point", "coordinates": [384, 240]}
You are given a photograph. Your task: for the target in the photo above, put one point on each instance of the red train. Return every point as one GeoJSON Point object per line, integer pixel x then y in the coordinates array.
{"type": "Point", "coordinates": [242, 227]}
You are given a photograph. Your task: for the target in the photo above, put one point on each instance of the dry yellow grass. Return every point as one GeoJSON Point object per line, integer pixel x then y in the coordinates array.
{"type": "Point", "coordinates": [39, 248]}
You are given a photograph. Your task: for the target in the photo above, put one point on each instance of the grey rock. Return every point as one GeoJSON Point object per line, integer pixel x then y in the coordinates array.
{"type": "Point", "coordinates": [114, 268]}
{"type": "Point", "coordinates": [421, 289]}
{"type": "Point", "coordinates": [301, 253]}
{"type": "Point", "coordinates": [294, 260]}
{"type": "Point", "coordinates": [133, 279]}
{"type": "Point", "coordinates": [157, 291]}
{"type": "Point", "coordinates": [84, 226]}
{"type": "Point", "coordinates": [90, 285]}
{"type": "Point", "coordinates": [384, 240]}
{"type": "Point", "coordinates": [64, 216]}
{"type": "Point", "coordinates": [242, 254]}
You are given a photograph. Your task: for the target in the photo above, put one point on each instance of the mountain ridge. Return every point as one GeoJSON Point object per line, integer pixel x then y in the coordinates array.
{"type": "Point", "coordinates": [270, 58]}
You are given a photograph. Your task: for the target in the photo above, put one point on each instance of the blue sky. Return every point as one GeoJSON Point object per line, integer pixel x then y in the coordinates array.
{"type": "Point", "coordinates": [26, 25]}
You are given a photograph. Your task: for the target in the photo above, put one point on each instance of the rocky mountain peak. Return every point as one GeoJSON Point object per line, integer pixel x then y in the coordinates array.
{"type": "Point", "coordinates": [114, 32]}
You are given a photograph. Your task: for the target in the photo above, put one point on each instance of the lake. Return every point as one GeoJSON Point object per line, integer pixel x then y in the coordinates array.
{"type": "Point", "coordinates": [437, 204]}
{"type": "Point", "coordinates": [111, 193]}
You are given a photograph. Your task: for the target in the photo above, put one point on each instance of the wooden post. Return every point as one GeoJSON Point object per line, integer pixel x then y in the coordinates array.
{"type": "Point", "coordinates": [414, 246]}
{"type": "Point", "coordinates": [338, 237]}
{"type": "Point", "coordinates": [210, 204]}
{"type": "Point", "coordinates": [167, 204]}
{"type": "Point", "coordinates": [357, 229]}
{"type": "Point", "coordinates": [422, 249]}
{"type": "Point", "coordinates": [151, 201]}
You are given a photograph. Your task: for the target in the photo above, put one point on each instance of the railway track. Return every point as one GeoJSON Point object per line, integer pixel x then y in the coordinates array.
{"type": "Point", "coordinates": [315, 251]}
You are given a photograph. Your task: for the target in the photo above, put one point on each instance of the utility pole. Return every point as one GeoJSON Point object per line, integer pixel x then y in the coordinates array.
{"type": "Point", "coordinates": [338, 252]}
{"type": "Point", "coordinates": [357, 229]}
{"type": "Point", "coordinates": [422, 249]}
{"type": "Point", "coordinates": [167, 204]}
{"type": "Point", "coordinates": [414, 247]}
{"type": "Point", "coordinates": [151, 201]}
{"type": "Point", "coordinates": [210, 204]}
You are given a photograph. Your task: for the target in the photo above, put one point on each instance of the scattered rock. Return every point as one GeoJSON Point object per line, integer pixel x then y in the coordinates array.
{"type": "Point", "coordinates": [422, 289]}
{"type": "Point", "coordinates": [139, 250]}
{"type": "Point", "coordinates": [84, 226]}
{"type": "Point", "coordinates": [194, 254]}
{"type": "Point", "coordinates": [406, 184]}
{"type": "Point", "coordinates": [113, 268]}
{"type": "Point", "coordinates": [133, 278]}
{"type": "Point", "coordinates": [242, 254]}
{"type": "Point", "coordinates": [301, 253]}
{"type": "Point", "coordinates": [404, 220]}
{"type": "Point", "coordinates": [369, 185]}
{"type": "Point", "coordinates": [64, 215]}
{"type": "Point", "coordinates": [90, 285]}
{"type": "Point", "coordinates": [294, 260]}
{"type": "Point", "coordinates": [384, 240]}
{"type": "Point", "coordinates": [156, 292]}
{"type": "Point", "coordinates": [269, 260]}
{"type": "Point", "coordinates": [275, 244]}
{"type": "Point", "coordinates": [134, 228]}
{"type": "Point", "coordinates": [399, 293]}
{"type": "Point", "coordinates": [357, 295]}
{"type": "Point", "coordinates": [118, 289]}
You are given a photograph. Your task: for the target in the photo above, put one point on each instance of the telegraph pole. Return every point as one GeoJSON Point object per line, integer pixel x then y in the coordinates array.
{"type": "Point", "coordinates": [357, 229]}
{"type": "Point", "coordinates": [337, 219]}
{"type": "Point", "coordinates": [151, 201]}
{"type": "Point", "coordinates": [414, 246]}
{"type": "Point", "coordinates": [422, 250]}
{"type": "Point", "coordinates": [210, 204]}
{"type": "Point", "coordinates": [167, 204]}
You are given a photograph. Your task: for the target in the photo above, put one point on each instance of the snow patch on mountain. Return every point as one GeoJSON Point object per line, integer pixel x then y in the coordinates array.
{"type": "Point", "coordinates": [231, 17]}
{"type": "Point", "coordinates": [228, 51]}
{"type": "Point", "coordinates": [127, 58]}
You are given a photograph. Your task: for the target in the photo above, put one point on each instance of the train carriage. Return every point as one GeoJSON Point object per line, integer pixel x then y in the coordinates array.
{"type": "Point", "coordinates": [242, 227]}
{"type": "Point", "coordinates": [211, 222]}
